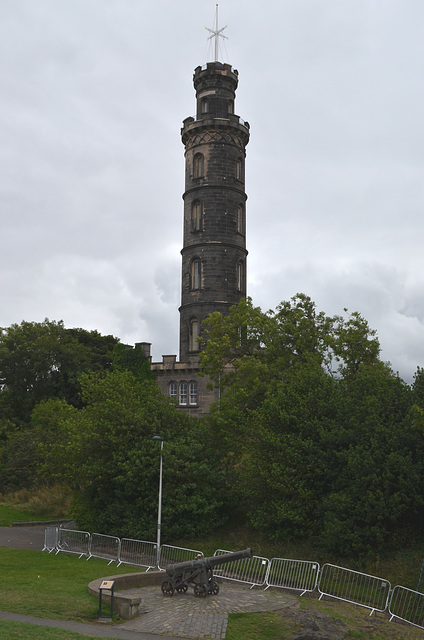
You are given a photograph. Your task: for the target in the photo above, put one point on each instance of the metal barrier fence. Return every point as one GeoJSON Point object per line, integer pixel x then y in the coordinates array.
{"type": "Point", "coordinates": [106, 547]}
{"type": "Point", "coordinates": [171, 555]}
{"type": "Point", "coordinates": [299, 575]}
{"type": "Point", "coordinates": [407, 605]}
{"type": "Point", "coordinates": [51, 538]}
{"type": "Point", "coordinates": [351, 586]}
{"type": "Point", "coordinates": [71, 541]}
{"type": "Point", "coordinates": [138, 552]}
{"type": "Point", "coordinates": [251, 571]}
{"type": "Point", "coordinates": [344, 584]}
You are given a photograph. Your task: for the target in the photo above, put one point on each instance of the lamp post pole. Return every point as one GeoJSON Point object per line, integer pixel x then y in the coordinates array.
{"type": "Point", "coordinates": [159, 439]}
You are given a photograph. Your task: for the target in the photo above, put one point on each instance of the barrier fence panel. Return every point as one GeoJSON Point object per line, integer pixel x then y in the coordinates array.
{"type": "Point", "coordinates": [251, 571]}
{"type": "Point", "coordinates": [102, 546]}
{"type": "Point", "coordinates": [171, 555]}
{"type": "Point", "coordinates": [138, 552]}
{"type": "Point", "coordinates": [407, 605]}
{"type": "Point", "coordinates": [71, 541]}
{"type": "Point", "coordinates": [351, 586]}
{"type": "Point", "coordinates": [51, 538]}
{"type": "Point", "coordinates": [300, 575]}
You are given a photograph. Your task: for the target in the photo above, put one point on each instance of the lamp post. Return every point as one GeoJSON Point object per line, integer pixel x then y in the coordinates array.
{"type": "Point", "coordinates": [159, 439]}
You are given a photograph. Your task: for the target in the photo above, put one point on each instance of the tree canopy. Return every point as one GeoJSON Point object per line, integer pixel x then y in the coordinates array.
{"type": "Point", "coordinates": [314, 435]}
{"type": "Point", "coordinates": [105, 453]}
{"type": "Point", "coordinates": [316, 432]}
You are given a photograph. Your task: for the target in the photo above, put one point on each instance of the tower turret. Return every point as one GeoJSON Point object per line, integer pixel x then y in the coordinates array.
{"type": "Point", "coordinates": [214, 243]}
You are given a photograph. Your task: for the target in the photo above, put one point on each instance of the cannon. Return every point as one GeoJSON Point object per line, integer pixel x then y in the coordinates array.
{"type": "Point", "coordinates": [198, 574]}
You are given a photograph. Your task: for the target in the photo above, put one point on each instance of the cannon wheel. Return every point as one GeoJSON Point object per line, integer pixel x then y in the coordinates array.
{"type": "Point", "coordinates": [182, 588]}
{"type": "Point", "coordinates": [214, 588]}
{"type": "Point", "coordinates": [167, 588]}
{"type": "Point", "coordinates": [200, 590]}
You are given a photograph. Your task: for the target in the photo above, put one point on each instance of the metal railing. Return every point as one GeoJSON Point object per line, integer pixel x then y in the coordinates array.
{"type": "Point", "coordinates": [51, 538]}
{"type": "Point", "coordinates": [299, 575]}
{"type": "Point", "coordinates": [71, 541]}
{"type": "Point", "coordinates": [106, 547]}
{"type": "Point", "coordinates": [251, 571]}
{"type": "Point", "coordinates": [355, 587]}
{"type": "Point", "coordinates": [138, 552]}
{"type": "Point", "coordinates": [407, 605]}
{"type": "Point", "coordinates": [171, 555]}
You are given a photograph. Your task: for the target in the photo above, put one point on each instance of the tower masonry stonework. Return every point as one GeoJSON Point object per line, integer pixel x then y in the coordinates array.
{"type": "Point", "coordinates": [214, 235]}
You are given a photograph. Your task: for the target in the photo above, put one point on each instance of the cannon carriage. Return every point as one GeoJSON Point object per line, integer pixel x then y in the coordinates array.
{"type": "Point", "coordinates": [198, 574]}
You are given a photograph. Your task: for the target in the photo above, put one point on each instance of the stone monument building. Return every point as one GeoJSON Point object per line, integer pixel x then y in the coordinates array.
{"type": "Point", "coordinates": [214, 241]}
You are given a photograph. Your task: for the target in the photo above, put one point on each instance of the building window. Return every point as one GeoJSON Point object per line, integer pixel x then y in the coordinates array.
{"type": "Point", "coordinates": [231, 106]}
{"type": "Point", "coordinates": [205, 105]}
{"type": "Point", "coordinates": [172, 389]}
{"type": "Point", "coordinates": [240, 276]}
{"type": "Point", "coordinates": [196, 216]}
{"type": "Point", "coordinates": [198, 166]}
{"type": "Point", "coordinates": [239, 169]}
{"type": "Point", "coordinates": [183, 393]}
{"type": "Point", "coordinates": [240, 219]}
{"type": "Point", "coordinates": [196, 274]}
{"type": "Point", "coordinates": [194, 334]}
{"type": "Point", "coordinates": [193, 392]}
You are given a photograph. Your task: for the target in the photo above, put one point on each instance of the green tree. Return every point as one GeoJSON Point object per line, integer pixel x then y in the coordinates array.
{"type": "Point", "coordinates": [126, 358]}
{"type": "Point", "coordinates": [317, 436]}
{"type": "Point", "coordinates": [41, 360]}
{"type": "Point", "coordinates": [112, 464]}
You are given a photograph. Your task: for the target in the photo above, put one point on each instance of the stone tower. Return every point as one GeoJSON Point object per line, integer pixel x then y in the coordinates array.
{"type": "Point", "coordinates": [214, 242]}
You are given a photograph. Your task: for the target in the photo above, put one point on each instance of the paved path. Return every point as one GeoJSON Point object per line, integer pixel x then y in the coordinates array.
{"type": "Point", "coordinates": [190, 617]}
{"type": "Point", "coordinates": [22, 537]}
{"type": "Point", "coordinates": [97, 631]}
{"type": "Point", "coordinates": [177, 618]}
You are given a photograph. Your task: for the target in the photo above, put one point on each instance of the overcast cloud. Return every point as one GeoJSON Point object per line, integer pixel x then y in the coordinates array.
{"type": "Point", "coordinates": [93, 94]}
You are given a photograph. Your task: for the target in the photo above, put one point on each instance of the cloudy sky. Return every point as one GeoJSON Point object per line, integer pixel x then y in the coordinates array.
{"type": "Point", "coordinates": [93, 94]}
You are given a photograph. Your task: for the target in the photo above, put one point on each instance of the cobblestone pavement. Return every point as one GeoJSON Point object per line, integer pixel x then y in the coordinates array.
{"type": "Point", "coordinates": [186, 616]}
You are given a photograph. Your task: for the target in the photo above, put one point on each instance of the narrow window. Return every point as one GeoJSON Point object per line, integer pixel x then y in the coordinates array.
{"type": "Point", "coordinates": [205, 105]}
{"type": "Point", "coordinates": [193, 392]}
{"type": "Point", "coordinates": [239, 169]}
{"type": "Point", "coordinates": [240, 276]}
{"type": "Point", "coordinates": [196, 272]}
{"type": "Point", "coordinates": [231, 106]}
{"type": "Point", "coordinates": [198, 164]}
{"type": "Point", "coordinates": [172, 389]}
{"type": "Point", "coordinates": [196, 216]}
{"type": "Point", "coordinates": [183, 393]}
{"type": "Point", "coordinates": [240, 219]}
{"type": "Point", "coordinates": [194, 334]}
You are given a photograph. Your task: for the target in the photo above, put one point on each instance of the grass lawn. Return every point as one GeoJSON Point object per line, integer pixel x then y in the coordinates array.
{"type": "Point", "coordinates": [353, 623]}
{"type": "Point", "coordinates": [51, 586]}
{"type": "Point", "coordinates": [11, 514]}
{"type": "Point", "coordinates": [21, 631]}
{"type": "Point", "coordinates": [55, 586]}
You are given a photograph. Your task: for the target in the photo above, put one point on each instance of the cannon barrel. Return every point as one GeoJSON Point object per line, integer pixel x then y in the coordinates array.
{"type": "Point", "coordinates": [208, 563]}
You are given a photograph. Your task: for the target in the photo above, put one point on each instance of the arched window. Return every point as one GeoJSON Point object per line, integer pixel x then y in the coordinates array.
{"type": "Point", "coordinates": [196, 216]}
{"type": "Point", "coordinates": [193, 335]}
{"type": "Point", "coordinates": [172, 390]}
{"type": "Point", "coordinates": [240, 219]}
{"type": "Point", "coordinates": [192, 388]}
{"type": "Point", "coordinates": [198, 166]}
{"type": "Point", "coordinates": [183, 393]}
{"type": "Point", "coordinates": [205, 105]}
{"type": "Point", "coordinates": [240, 276]}
{"type": "Point", "coordinates": [239, 169]}
{"type": "Point", "coordinates": [196, 274]}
